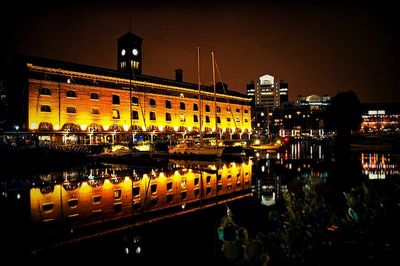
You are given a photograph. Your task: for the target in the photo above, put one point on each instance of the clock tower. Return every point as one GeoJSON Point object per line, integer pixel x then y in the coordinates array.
{"type": "Point", "coordinates": [129, 54]}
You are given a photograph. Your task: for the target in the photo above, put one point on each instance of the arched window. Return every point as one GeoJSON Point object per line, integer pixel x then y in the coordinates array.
{"type": "Point", "coordinates": [116, 128]}
{"type": "Point", "coordinates": [135, 100]}
{"type": "Point", "coordinates": [45, 126]}
{"type": "Point", "coordinates": [71, 127]}
{"type": "Point", "coordinates": [94, 127]}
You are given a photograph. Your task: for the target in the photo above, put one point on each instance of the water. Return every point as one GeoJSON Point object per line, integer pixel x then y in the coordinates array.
{"type": "Point", "coordinates": [169, 211]}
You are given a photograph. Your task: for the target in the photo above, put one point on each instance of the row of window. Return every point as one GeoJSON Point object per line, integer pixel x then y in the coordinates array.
{"type": "Point", "coordinates": [96, 199]}
{"type": "Point", "coordinates": [135, 101]}
{"type": "Point", "coordinates": [135, 115]}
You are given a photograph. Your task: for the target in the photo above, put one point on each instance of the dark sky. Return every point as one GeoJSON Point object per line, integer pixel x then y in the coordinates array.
{"type": "Point", "coordinates": [318, 47]}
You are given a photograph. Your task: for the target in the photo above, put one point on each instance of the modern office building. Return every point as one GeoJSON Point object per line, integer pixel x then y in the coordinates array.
{"type": "Point", "coordinates": [61, 97]}
{"type": "Point", "coordinates": [267, 94]}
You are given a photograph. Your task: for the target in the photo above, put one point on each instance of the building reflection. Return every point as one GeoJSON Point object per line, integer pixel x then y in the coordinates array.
{"type": "Point", "coordinates": [378, 166]}
{"type": "Point", "coordinates": [85, 197]}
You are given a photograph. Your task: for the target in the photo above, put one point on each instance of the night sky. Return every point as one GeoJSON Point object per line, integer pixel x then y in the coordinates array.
{"type": "Point", "coordinates": [318, 47]}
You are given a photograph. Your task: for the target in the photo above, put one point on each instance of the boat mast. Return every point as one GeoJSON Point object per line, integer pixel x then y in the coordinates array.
{"type": "Point", "coordinates": [200, 102]}
{"type": "Point", "coordinates": [215, 97]}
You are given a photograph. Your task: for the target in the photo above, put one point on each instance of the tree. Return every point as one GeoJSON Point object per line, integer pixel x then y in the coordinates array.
{"type": "Point", "coordinates": [345, 113]}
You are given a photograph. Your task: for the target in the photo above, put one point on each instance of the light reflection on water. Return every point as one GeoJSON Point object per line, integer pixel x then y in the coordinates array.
{"type": "Point", "coordinates": [275, 172]}
{"type": "Point", "coordinates": [75, 200]}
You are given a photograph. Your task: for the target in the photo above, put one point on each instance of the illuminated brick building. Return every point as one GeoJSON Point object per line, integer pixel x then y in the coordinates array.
{"type": "Point", "coordinates": [60, 97]}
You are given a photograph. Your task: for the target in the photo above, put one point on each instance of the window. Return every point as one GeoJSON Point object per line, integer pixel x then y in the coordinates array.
{"type": "Point", "coordinates": [115, 99]}
{"type": "Point", "coordinates": [152, 102]}
{"type": "Point", "coordinates": [117, 194]}
{"type": "Point", "coordinates": [115, 114]}
{"type": "Point", "coordinates": [123, 64]}
{"type": "Point", "coordinates": [195, 107]}
{"type": "Point", "coordinates": [196, 181]}
{"type": "Point", "coordinates": [246, 120]}
{"type": "Point", "coordinates": [237, 119]}
{"type": "Point", "coordinates": [196, 192]}
{"type": "Point", "coordinates": [170, 197]}
{"type": "Point", "coordinates": [182, 118]}
{"type": "Point", "coordinates": [118, 207]}
{"type": "Point", "coordinates": [169, 185]}
{"type": "Point", "coordinates": [183, 183]}
{"type": "Point", "coordinates": [246, 111]}
{"type": "Point", "coordinates": [183, 194]}
{"type": "Point", "coordinates": [71, 110]}
{"type": "Point", "coordinates": [208, 179]}
{"type": "Point", "coordinates": [207, 119]}
{"type": "Point", "coordinates": [207, 108]}
{"type": "Point", "coordinates": [71, 94]}
{"type": "Point", "coordinates": [94, 96]}
{"type": "Point", "coordinates": [95, 111]}
{"type": "Point", "coordinates": [218, 120]}
{"type": "Point", "coordinates": [135, 100]}
{"type": "Point", "coordinates": [182, 106]}
{"type": "Point", "coordinates": [96, 199]}
{"type": "Point", "coordinates": [73, 203]}
{"type": "Point", "coordinates": [45, 108]}
{"type": "Point", "coordinates": [152, 116]}
{"type": "Point", "coordinates": [44, 91]}
{"type": "Point", "coordinates": [136, 191]}
{"type": "Point", "coordinates": [237, 110]}
{"type": "Point", "coordinates": [153, 188]}
{"type": "Point", "coordinates": [135, 64]}
{"type": "Point", "coordinates": [168, 117]}
{"type": "Point", "coordinates": [47, 207]}
{"type": "Point", "coordinates": [218, 109]}
{"type": "Point", "coordinates": [195, 118]}
{"type": "Point", "coordinates": [135, 115]}
{"type": "Point", "coordinates": [228, 119]}
{"type": "Point", "coordinates": [168, 104]}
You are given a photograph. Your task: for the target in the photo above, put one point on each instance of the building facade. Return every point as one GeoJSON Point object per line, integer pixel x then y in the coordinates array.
{"type": "Point", "coordinates": [55, 96]}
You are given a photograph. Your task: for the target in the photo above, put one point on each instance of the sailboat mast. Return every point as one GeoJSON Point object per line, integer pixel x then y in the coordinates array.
{"type": "Point", "coordinates": [130, 105]}
{"type": "Point", "coordinates": [200, 103]}
{"type": "Point", "coordinates": [215, 93]}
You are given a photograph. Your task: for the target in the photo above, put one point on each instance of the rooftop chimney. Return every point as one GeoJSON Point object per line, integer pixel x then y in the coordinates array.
{"type": "Point", "coordinates": [179, 75]}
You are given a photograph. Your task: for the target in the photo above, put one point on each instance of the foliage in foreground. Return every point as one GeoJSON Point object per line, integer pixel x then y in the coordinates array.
{"type": "Point", "coordinates": [307, 230]}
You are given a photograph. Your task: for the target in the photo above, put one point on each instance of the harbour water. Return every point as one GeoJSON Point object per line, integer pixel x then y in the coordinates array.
{"type": "Point", "coordinates": [170, 211]}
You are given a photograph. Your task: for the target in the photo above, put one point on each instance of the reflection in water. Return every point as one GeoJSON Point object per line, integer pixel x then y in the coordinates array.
{"type": "Point", "coordinates": [96, 200]}
{"type": "Point", "coordinates": [280, 172]}
{"type": "Point", "coordinates": [378, 166]}
{"type": "Point", "coordinates": [113, 194]}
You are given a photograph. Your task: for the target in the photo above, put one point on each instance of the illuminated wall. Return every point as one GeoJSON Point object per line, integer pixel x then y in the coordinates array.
{"type": "Point", "coordinates": [59, 103]}
{"type": "Point", "coordinates": [122, 196]}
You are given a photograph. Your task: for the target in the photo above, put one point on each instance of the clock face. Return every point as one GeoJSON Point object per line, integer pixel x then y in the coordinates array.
{"type": "Point", "coordinates": [123, 52]}
{"type": "Point", "coordinates": [135, 51]}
